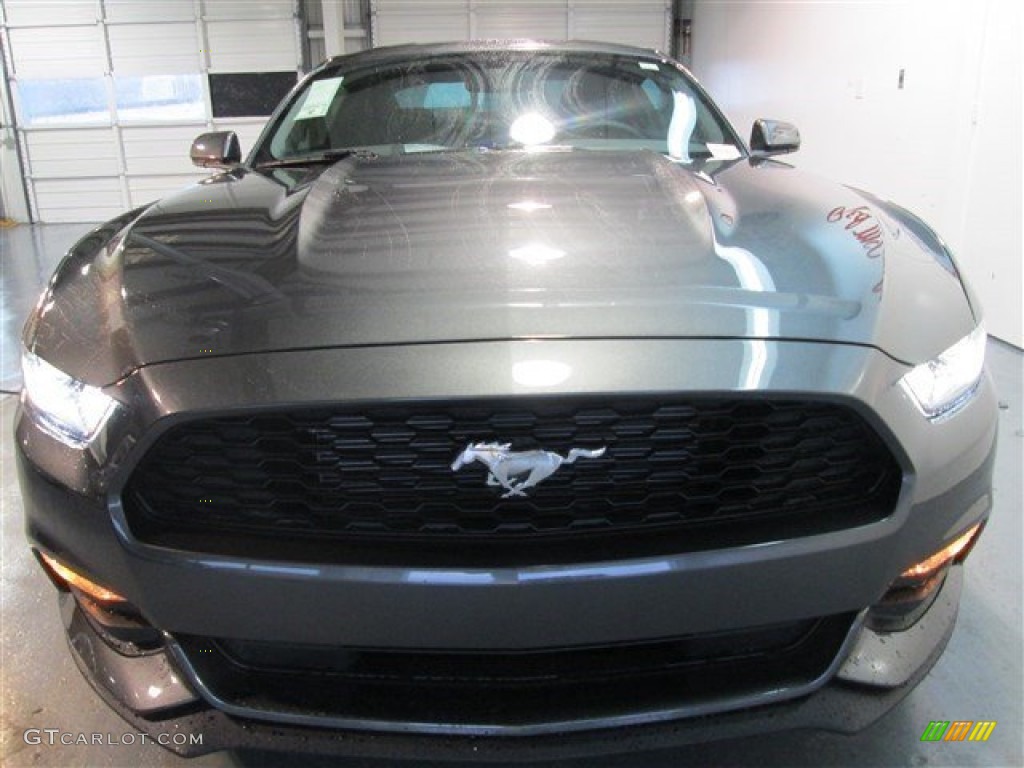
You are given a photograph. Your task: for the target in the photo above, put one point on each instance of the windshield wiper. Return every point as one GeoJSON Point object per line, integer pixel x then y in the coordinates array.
{"type": "Point", "coordinates": [319, 158]}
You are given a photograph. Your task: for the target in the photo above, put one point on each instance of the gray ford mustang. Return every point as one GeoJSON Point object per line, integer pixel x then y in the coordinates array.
{"type": "Point", "coordinates": [504, 402]}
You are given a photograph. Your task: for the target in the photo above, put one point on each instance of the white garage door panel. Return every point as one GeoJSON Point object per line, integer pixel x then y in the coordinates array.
{"type": "Point", "coordinates": [645, 28]}
{"type": "Point", "coordinates": [63, 154]}
{"type": "Point", "coordinates": [81, 52]}
{"type": "Point", "coordinates": [435, 28]}
{"type": "Point", "coordinates": [542, 23]}
{"type": "Point", "coordinates": [87, 158]}
{"type": "Point", "coordinates": [143, 49]}
{"type": "Point", "coordinates": [150, 151]}
{"type": "Point", "coordinates": [79, 199]}
{"type": "Point", "coordinates": [258, 46]}
{"type": "Point", "coordinates": [522, 8]}
{"type": "Point", "coordinates": [248, 131]}
{"type": "Point", "coordinates": [50, 13]}
{"type": "Point", "coordinates": [419, 21]}
{"type": "Point", "coordinates": [247, 9]}
{"type": "Point", "coordinates": [119, 11]}
{"type": "Point", "coordinates": [636, 22]}
{"type": "Point", "coordinates": [149, 189]}
{"type": "Point", "coordinates": [419, 8]}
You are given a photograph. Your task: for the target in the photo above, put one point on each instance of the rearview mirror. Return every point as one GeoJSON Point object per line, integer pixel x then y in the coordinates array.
{"type": "Point", "coordinates": [219, 149]}
{"type": "Point", "coordinates": [774, 137]}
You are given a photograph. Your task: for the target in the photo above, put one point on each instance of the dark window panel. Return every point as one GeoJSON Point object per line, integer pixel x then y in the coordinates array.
{"type": "Point", "coordinates": [248, 94]}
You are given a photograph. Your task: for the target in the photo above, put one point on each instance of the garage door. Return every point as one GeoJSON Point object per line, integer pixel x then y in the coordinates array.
{"type": "Point", "coordinates": [645, 23]}
{"type": "Point", "coordinates": [110, 93]}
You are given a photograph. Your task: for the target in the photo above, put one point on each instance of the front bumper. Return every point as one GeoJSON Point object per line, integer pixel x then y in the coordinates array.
{"type": "Point", "coordinates": [876, 671]}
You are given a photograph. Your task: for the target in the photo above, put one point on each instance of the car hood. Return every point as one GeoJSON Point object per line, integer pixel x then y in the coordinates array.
{"type": "Point", "coordinates": [468, 246]}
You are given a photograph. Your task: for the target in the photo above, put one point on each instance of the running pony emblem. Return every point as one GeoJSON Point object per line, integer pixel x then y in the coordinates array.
{"type": "Point", "coordinates": [507, 467]}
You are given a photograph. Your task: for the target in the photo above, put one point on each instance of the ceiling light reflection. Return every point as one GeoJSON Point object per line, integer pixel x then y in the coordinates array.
{"type": "Point", "coordinates": [540, 373]}
{"type": "Point", "coordinates": [536, 254]}
{"type": "Point", "coordinates": [529, 206]}
{"type": "Point", "coordinates": [531, 128]}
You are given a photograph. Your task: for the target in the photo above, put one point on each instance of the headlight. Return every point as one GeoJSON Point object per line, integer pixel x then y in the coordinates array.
{"type": "Point", "coordinates": [943, 385]}
{"type": "Point", "coordinates": [69, 410]}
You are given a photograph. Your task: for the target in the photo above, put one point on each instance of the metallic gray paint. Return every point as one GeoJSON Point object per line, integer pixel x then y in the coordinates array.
{"type": "Point", "coordinates": [426, 249]}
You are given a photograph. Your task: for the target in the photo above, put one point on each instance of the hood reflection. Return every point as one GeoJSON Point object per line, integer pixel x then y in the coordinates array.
{"type": "Point", "coordinates": [536, 254]}
{"type": "Point", "coordinates": [540, 373]}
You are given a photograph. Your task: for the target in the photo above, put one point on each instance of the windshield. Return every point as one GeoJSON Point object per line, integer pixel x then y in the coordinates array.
{"type": "Point", "coordinates": [501, 101]}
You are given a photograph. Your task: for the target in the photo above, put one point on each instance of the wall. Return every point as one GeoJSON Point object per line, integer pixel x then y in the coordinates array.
{"type": "Point", "coordinates": [947, 144]}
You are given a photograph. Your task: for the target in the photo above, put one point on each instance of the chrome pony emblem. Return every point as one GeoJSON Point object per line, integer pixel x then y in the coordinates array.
{"type": "Point", "coordinates": [506, 466]}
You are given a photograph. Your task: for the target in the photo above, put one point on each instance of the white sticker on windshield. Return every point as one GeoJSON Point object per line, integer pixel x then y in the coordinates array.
{"type": "Point", "coordinates": [319, 98]}
{"type": "Point", "coordinates": [648, 66]}
{"type": "Point", "coordinates": [723, 151]}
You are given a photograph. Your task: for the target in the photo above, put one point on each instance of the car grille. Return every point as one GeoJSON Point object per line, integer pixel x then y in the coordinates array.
{"type": "Point", "coordinates": [460, 689]}
{"type": "Point", "coordinates": [374, 483]}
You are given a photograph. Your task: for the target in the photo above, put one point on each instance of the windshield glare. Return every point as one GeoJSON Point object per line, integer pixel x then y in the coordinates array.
{"type": "Point", "coordinates": [511, 100]}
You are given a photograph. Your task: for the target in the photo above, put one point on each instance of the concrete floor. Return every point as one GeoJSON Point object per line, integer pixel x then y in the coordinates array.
{"type": "Point", "coordinates": [978, 678]}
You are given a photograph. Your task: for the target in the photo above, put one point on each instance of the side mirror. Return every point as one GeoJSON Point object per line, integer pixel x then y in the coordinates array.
{"type": "Point", "coordinates": [219, 149]}
{"type": "Point", "coordinates": [774, 137]}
